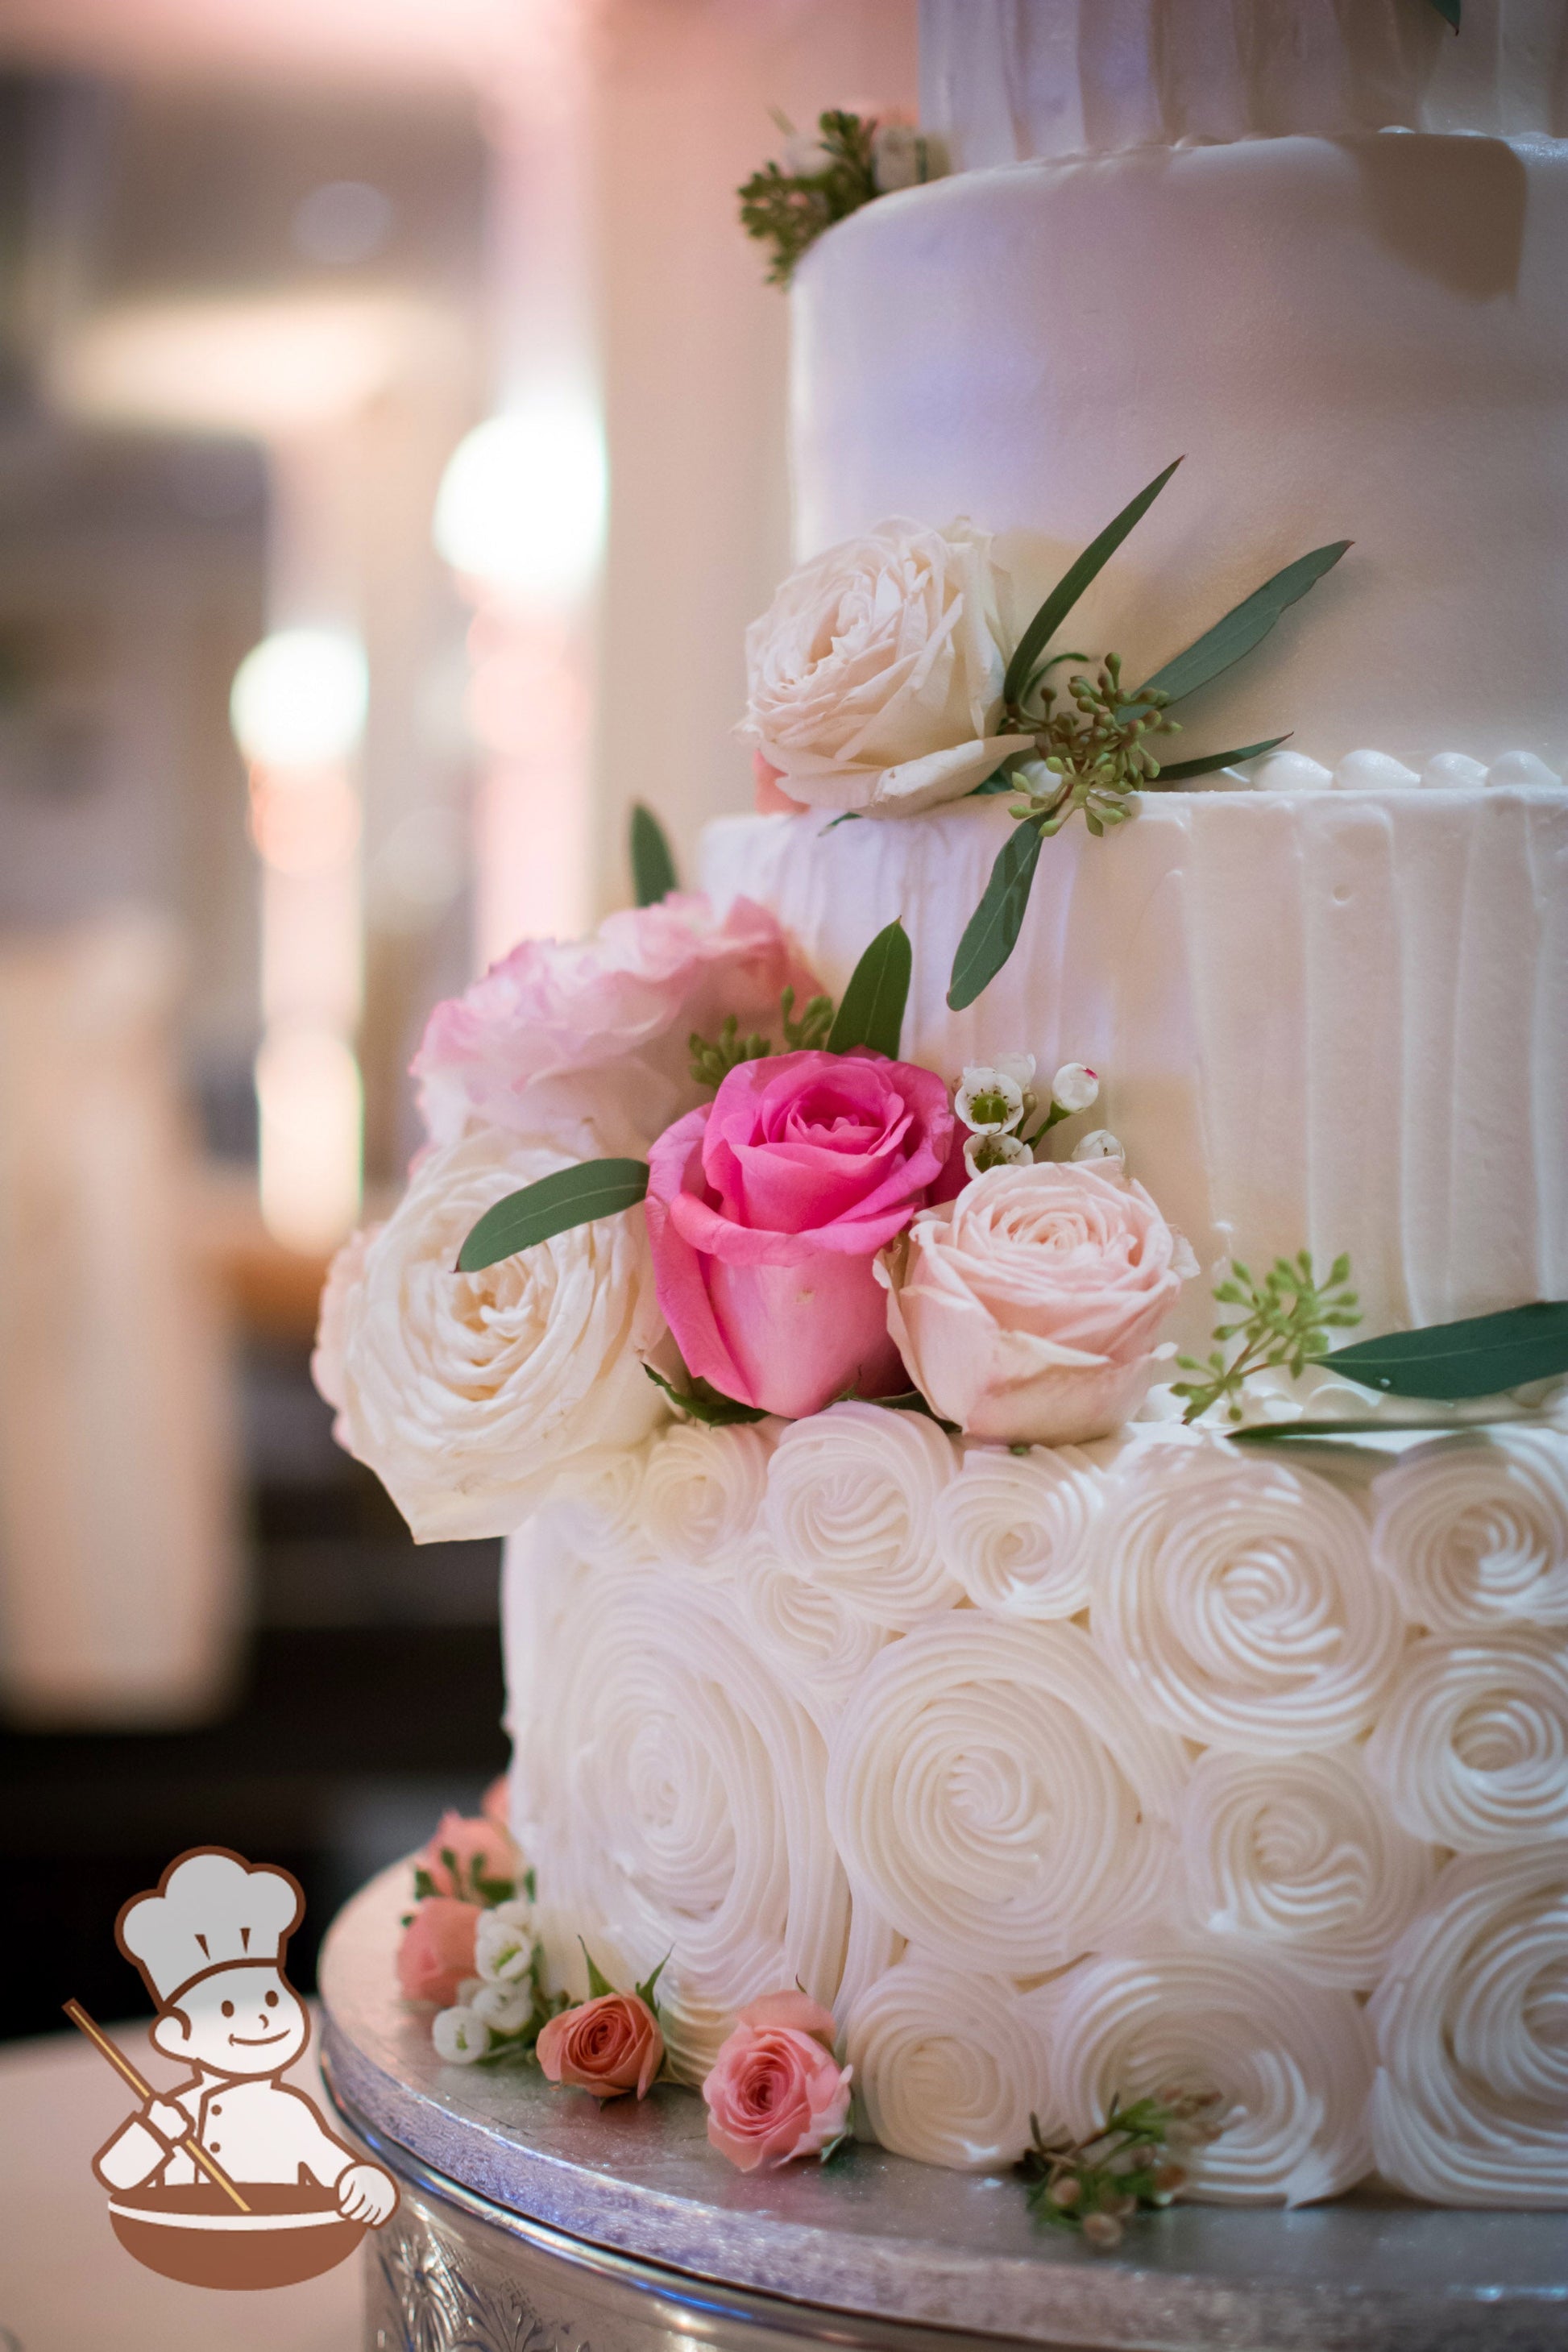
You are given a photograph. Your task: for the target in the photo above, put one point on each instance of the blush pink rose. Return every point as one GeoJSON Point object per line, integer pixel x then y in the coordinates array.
{"type": "Point", "coordinates": [437, 1950]}
{"type": "Point", "coordinates": [774, 2092]}
{"type": "Point", "coordinates": [608, 2046]}
{"type": "Point", "coordinates": [462, 1852]}
{"type": "Point", "coordinates": [764, 1214]}
{"type": "Point", "coordinates": [1028, 1309]}
{"type": "Point", "coordinates": [630, 996]}
{"type": "Point", "coordinates": [770, 800]}
{"type": "Point", "coordinates": [496, 1805]}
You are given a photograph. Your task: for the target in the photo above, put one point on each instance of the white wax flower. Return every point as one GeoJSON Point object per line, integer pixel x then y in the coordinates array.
{"type": "Point", "coordinates": [461, 2036]}
{"type": "Point", "coordinates": [875, 677]}
{"type": "Point", "coordinates": [1099, 1144]}
{"type": "Point", "coordinates": [805, 156]}
{"type": "Point", "coordinates": [1073, 1087]}
{"type": "Point", "coordinates": [990, 1097]}
{"type": "Point", "coordinates": [503, 1943]}
{"type": "Point", "coordinates": [505, 2008]}
{"type": "Point", "coordinates": [986, 1150]}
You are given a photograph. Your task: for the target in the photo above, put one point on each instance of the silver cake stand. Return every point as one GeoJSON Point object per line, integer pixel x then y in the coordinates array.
{"type": "Point", "coordinates": [532, 2221]}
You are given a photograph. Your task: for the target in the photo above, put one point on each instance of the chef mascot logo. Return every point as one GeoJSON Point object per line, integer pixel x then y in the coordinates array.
{"type": "Point", "coordinates": [229, 2178]}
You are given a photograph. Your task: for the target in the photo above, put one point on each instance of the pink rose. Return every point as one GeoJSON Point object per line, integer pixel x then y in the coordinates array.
{"type": "Point", "coordinates": [764, 1214]}
{"type": "Point", "coordinates": [608, 2046]}
{"type": "Point", "coordinates": [1027, 1308]}
{"type": "Point", "coordinates": [463, 1852]}
{"type": "Point", "coordinates": [437, 1950]}
{"type": "Point", "coordinates": [630, 997]}
{"type": "Point", "coordinates": [496, 1805]}
{"type": "Point", "coordinates": [774, 2092]}
{"type": "Point", "coordinates": [770, 800]}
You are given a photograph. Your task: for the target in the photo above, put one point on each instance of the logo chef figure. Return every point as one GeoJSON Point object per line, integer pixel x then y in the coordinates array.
{"type": "Point", "coordinates": [209, 1945]}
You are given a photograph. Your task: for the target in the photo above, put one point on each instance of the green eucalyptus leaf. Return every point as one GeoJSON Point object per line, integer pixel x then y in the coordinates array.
{"type": "Point", "coordinates": [1272, 1432]}
{"type": "Point", "coordinates": [1000, 782]}
{"type": "Point", "coordinates": [1072, 585]}
{"type": "Point", "coordinates": [1244, 626]}
{"type": "Point", "coordinates": [653, 866]}
{"type": "Point", "coordinates": [992, 932]}
{"type": "Point", "coordinates": [846, 816]}
{"type": "Point", "coordinates": [1449, 12]}
{"type": "Point", "coordinates": [872, 1011]}
{"type": "Point", "coordinates": [705, 1402]}
{"type": "Point", "coordinates": [1175, 771]}
{"type": "Point", "coordinates": [1483, 1356]}
{"type": "Point", "coordinates": [571, 1196]}
{"type": "Point", "coordinates": [598, 1982]}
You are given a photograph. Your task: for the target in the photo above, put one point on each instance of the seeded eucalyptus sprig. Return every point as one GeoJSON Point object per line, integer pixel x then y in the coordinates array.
{"type": "Point", "coordinates": [1096, 2186]}
{"type": "Point", "coordinates": [790, 210]}
{"type": "Point", "coordinates": [712, 1060]}
{"type": "Point", "coordinates": [1283, 1326]}
{"type": "Point", "coordinates": [1097, 754]}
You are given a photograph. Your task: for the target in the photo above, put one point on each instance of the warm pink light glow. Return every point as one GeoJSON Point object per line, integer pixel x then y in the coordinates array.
{"type": "Point", "coordinates": [303, 821]}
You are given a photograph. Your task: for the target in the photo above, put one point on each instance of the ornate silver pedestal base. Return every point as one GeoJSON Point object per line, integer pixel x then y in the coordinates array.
{"type": "Point", "coordinates": [531, 2222]}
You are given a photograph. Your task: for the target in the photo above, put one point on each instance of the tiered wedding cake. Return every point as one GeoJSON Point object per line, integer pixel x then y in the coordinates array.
{"type": "Point", "coordinates": [1069, 1769]}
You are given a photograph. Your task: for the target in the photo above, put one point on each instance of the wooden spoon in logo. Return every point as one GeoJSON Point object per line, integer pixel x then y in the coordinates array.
{"type": "Point", "coordinates": [123, 2066]}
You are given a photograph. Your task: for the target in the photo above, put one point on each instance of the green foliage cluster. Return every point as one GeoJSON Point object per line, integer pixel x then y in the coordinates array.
{"type": "Point", "coordinates": [789, 211]}
{"type": "Point", "coordinates": [1095, 748]}
{"type": "Point", "coordinates": [1096, 2186]}
{"type": "Point", "coordinates": [1283, 1325]}
{"type": "Point", "coordinates": [712, 1059]}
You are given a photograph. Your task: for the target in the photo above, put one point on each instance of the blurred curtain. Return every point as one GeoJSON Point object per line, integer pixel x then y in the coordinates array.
{"type": "Point", "coordinates": [118, 1565]}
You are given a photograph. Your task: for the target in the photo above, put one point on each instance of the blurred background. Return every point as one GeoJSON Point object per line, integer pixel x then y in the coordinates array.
{"type": "Point", "coordinates": [391, 456]}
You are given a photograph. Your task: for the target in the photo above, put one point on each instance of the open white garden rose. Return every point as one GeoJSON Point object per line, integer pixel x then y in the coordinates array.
{"type": "Point", "coordinates": [1028, 1308]}
{"type": "Point", "coordinates": [875, 675]}
{"type": "Point", "coordinates": [461, 1390]}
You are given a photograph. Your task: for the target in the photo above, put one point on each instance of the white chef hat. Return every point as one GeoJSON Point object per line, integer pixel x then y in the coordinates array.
{"type": "Point", "coordinates": [212, 1910]}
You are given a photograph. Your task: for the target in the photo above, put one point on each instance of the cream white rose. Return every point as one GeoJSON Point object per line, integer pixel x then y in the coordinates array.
{"type": "Point", "coordinates": [462, 1391]}
{"type": "Point", "coordinates": [875, 675]}
{"type": "Point", "coordinates": [1028, 1309]}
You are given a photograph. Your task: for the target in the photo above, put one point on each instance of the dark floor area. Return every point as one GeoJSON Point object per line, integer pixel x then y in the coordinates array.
{"type": "Point", "coordinates": [370, 1696]}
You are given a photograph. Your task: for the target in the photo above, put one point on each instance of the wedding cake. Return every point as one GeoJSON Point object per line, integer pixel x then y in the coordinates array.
{"type": "Point", "coordinates": [1075, 1733]}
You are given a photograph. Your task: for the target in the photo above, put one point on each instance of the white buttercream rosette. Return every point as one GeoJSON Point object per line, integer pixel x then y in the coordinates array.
{"type": "Point", "coordinates": [999, 1797]}
{"type": "Point", "coordinates": [1472, 2084]}
{"type": "Point", "coordinates": [1472, 1746]}
{"type": "Point", "coordinates": [1472, 1532]}
{"type": "Point", "coordinates": [701, 1491]}
{"type": "Point", "coordinates": [668, 1791]}
{"type": "Point", "coordinates": [1301, 1856]}
{"type": "Point", "coordinates": [1291, 2061]}
{"type": "Point", "coordinates": [462, 1390]}
{"type": "Point", "coordinates": [851, 1506]}
{"type": "Point", "coordinates": [874, 679]}
{"type": "Point", "coordinates": [1017, 1529]}
{"type": "Point", "coordinates": [594, 1500]}
{"type": "Point", "coordinates": [1235, 1598]}
{"type": "Point", "coordinates": [815, 1640]}
{"type": "Point", "coordinates": [949, 2064]}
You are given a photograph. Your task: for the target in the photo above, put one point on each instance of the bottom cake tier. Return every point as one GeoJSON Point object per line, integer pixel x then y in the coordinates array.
{"type": "Point", "coordinates": [1067, 1773]}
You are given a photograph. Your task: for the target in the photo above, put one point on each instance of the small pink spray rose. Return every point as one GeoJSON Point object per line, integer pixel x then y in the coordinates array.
{"type": "Point", "coordinates": [775, 2091]}
{"type": "Point", "coordinates": [462, 1852]}
{"type": "Point", "coordinates": [766, 1209]}
{"type": "Point", "coordinates": [437, 1948]}
{"type": "Point", "coordinates": [608, 2046]}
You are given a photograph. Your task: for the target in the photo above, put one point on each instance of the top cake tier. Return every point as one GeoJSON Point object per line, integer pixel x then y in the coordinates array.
{"type": "Point", "coordinates": [1361, 338]}
{"type": "Point", "coordinates": [1005, 80]}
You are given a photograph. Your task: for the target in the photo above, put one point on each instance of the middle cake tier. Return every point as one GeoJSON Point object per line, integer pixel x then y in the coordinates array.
{"type": "Point", "coordinates": [1331, 1021]}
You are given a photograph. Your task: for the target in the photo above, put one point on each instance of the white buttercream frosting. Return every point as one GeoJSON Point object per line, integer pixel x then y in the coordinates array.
{"type": "Point", "coordinates": [1472, 1746]}
{"type": "Point", "coordinates": [1236, 1599]}
{"type": "Point", "coordinates": [1005, 79]}
{"type": "Point", "coordinates": [667, 1791]}
{"type": "Point", "coordinates": [949, 2064]}
{"type": "Point", "coordinates": [851, 1506]}
{"type": "Point", "coordinates": [1001, 1799]}
{"type": "Point", "coordinates": [1331, 1021]}
{"type": "Point", "coordinates": [1033, 1862]}
{"type": "Point", "coordinates": [701, 1491]}
{"type": "Point", "coordinates": [1472, 2084]}
{"type": "Point", "coordinates": [1473, 1535]}
{"type": "Point", "coordinates": [1300, 1855]}
{"type": "Point", "coordinates": [1291, 2061]}
{"type": "Point", "coordinates": [1016, 1529]}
